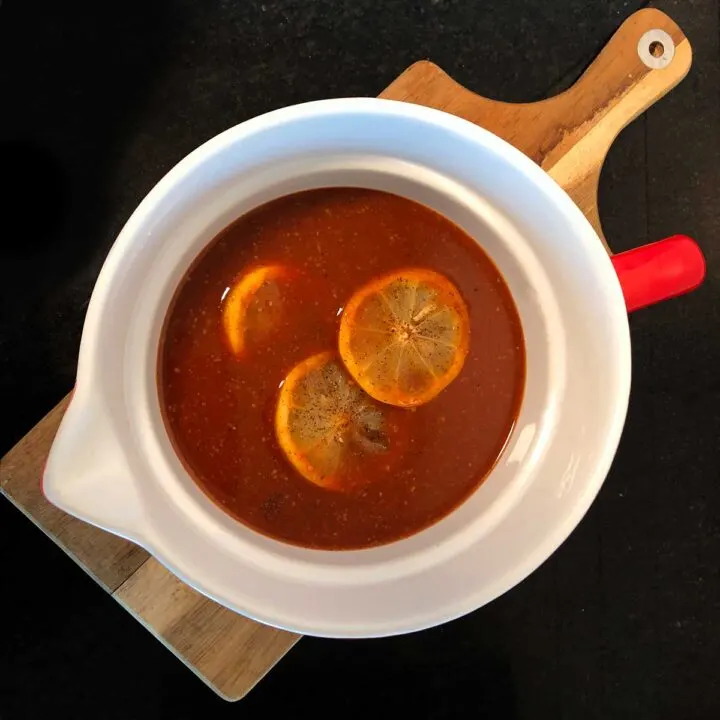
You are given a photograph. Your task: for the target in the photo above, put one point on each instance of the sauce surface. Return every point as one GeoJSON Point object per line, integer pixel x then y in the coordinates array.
{"type": "Point", "coordinates": [219, 408]}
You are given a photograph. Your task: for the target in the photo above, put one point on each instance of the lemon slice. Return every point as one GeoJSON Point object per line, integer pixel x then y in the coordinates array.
{"type": "Point", "coordinates": [253, 307]}
{"type": "Point", "coordinates": [325, 424]}
{"type": "Point", "coordinates": [404, 337]}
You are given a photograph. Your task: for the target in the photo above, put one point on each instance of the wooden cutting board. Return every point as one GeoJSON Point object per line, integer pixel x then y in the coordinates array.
{"type": "Point", "coordinates": [567, 135]}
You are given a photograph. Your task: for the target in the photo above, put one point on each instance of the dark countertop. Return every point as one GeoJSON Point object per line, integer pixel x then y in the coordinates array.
{"type": "Point", "coordinates": [98, 103]}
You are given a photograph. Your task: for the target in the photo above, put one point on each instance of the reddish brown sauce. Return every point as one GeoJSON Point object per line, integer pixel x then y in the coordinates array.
{"type": "Point", "coordinates": [219, 408]}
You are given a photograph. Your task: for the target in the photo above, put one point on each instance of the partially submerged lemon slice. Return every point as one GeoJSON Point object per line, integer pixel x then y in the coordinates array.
{"type": "Point", "coordinates": [404, 337]}
{"type": "Point", "coordinates": [325, 424]}
{"type": "Point", "coordinates": [253, 307]}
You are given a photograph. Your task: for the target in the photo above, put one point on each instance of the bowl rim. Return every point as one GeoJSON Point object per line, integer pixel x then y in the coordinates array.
{"type": "Point", "coordinates": [563, 204]}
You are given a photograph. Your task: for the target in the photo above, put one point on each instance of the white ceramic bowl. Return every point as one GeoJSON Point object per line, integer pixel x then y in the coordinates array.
{"type": "Point", "coordinates": [112, 463]}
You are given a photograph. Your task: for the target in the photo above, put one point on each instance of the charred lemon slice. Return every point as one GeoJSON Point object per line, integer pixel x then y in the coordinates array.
{"type": "Point", "coordinates": [326, 425]}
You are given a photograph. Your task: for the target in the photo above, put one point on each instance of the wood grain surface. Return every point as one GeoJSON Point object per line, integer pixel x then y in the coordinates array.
{"type": "Point", "coordinates": [567, 135]}
{"type": "Point", "coordinates": [227, 651]}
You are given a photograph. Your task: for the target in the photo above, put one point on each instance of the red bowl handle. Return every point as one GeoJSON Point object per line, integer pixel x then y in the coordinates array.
{"type": "Point", "coordinates": [659, 271]}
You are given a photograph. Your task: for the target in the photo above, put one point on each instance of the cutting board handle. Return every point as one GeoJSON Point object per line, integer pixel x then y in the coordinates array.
{"type": "Point", "coordinates": [647, 57]}
{"type": "Point", "coordinates": [570, 134]}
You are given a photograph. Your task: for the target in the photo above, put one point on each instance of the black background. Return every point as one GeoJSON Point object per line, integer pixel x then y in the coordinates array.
{"type": "Point", "coordinates": [99, 100]}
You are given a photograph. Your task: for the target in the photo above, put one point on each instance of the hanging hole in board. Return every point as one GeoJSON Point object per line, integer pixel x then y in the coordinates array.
{"type": "Point", "coordinates": [656, 49]}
